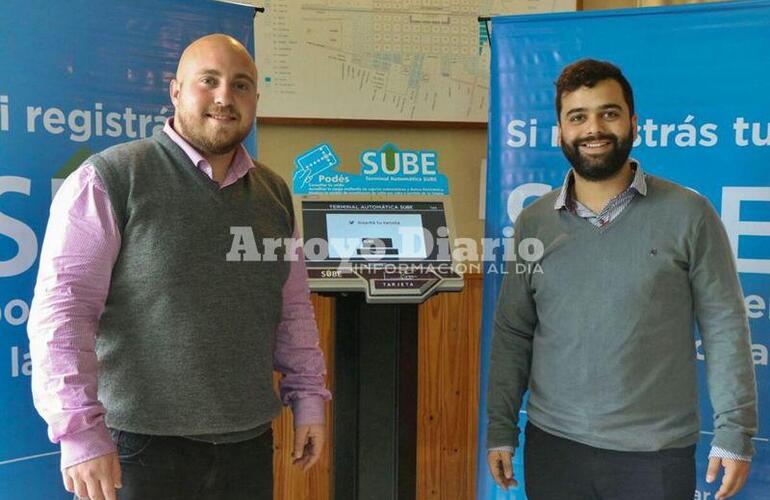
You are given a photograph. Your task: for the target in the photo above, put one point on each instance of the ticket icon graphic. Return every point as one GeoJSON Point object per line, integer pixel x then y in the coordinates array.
{"type": "Point", "coordinates": [311, 163]}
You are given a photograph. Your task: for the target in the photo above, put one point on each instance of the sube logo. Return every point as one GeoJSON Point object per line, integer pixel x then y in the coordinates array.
{"type": "Point", "coordinates": [389, 160]}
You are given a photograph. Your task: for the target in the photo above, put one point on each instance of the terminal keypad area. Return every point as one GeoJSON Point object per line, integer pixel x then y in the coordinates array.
{"type": "Point", "coordinates": [387, 283]}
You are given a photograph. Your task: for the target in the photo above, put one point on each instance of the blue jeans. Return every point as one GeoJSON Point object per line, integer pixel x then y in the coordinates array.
{"type": "Point", "coordinates": [170, 468]}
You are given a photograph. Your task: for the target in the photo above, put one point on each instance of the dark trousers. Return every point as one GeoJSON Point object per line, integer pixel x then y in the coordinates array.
{"type": "Point", "coordinates": [559, 469]}
{"type": "Point", "coordinates": [170, 468]}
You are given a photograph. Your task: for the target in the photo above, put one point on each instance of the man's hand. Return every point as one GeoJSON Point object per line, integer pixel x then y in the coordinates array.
{"type": "Point", "coordinates": [308, 444]}
{"type": "Point", "coordinates": [501, 468]}
{"type": "Point", "coordinates": [736, 473]}
{"type": "Point", "coordinates": [95, 479]}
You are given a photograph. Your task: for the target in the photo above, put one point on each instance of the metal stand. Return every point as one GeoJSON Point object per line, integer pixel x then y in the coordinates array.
{"type": "Point", "coordinates": [375, 400]}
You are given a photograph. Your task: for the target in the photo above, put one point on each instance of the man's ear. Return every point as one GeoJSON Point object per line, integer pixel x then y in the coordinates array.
{"type": "Point", "coordinates": [634, 125]}
{"type": "Point", "coordinates": [173, 90]}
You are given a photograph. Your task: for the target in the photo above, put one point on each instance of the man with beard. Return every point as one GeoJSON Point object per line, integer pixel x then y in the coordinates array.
{"type": "Point", "coordinates": [603, 337]}
{"type": "Point", "coordinates": [153, 350]}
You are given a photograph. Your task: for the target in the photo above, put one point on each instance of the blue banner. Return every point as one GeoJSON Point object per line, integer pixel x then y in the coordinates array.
{"type": "Point", "coordinates": [78, 76]}
{"type": "Point", "coordinates": [699, 75]}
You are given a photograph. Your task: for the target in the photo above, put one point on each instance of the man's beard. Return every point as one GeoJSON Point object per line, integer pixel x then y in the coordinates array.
{"type": "Point", "coordinates": [602, 167]}
{"type": "Point", "coordinates": [218, 143]}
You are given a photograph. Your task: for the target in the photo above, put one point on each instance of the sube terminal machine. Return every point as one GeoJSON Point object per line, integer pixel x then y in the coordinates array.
{"type": "Point", "coordinates": [398, 252]}
{"type": "Point", "coordinates": [393, 251]}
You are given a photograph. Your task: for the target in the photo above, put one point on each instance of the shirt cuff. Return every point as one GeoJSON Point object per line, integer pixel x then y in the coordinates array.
{"type": "Point", "coordinates": [509, 449]}
{"type": "Point", "coordinates": [736, 441]}
{"type": "Point", "coordinates": [86, 445]}
{"type": "Point", "coordinates": [309, 410]}
{"type": "Point", "coordinates": [717, 452]}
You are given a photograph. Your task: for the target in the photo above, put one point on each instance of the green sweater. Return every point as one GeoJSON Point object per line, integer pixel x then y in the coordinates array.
{"type": "Point", "coordinates": [602, 332]}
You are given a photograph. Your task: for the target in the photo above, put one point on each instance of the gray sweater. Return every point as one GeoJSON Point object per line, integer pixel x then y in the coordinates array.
{"type": "Point", "coordinates": [186, 340]}
{"type": "Point", "coordinates": [603, 337]}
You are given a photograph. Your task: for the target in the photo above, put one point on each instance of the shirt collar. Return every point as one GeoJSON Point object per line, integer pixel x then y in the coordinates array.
{"type": "Point", "coordinates": [638, 184]}
{"type": "Point", "coordinates": [238, 168]}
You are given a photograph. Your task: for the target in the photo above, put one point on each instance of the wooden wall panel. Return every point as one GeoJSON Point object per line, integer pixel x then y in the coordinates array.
{"type": "Point", "coordinates": [447, 405]}
{"type": "Point", "coordinates": [289, 482]}
{"type": "Point", "coordinates": [429, 407]}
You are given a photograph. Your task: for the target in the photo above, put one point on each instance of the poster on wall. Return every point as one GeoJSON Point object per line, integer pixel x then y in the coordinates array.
{"type": "Point", "coordinates": [699, 75]}
{"type": "Point", "coordinates": [386, 170]}
{"type": "Point", "coordinates": [80, 76]}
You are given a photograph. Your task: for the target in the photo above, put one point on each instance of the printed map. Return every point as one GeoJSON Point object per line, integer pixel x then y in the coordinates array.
{"type": "Point", "coordinates": [424, 60]}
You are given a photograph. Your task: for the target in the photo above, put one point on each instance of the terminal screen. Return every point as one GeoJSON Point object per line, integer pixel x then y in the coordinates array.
{"type": "Point", "coordinates": [362, 231]}
{"type": "Point", "coordinates": [396, 235]}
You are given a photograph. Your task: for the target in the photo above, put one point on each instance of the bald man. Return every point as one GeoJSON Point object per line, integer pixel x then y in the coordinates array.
{"type": "Point", "coordinates": [153, 340]}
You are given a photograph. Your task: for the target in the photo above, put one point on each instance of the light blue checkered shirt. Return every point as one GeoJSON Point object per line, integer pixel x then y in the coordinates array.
{"type": "Point", "coordinates": [613, 208]}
